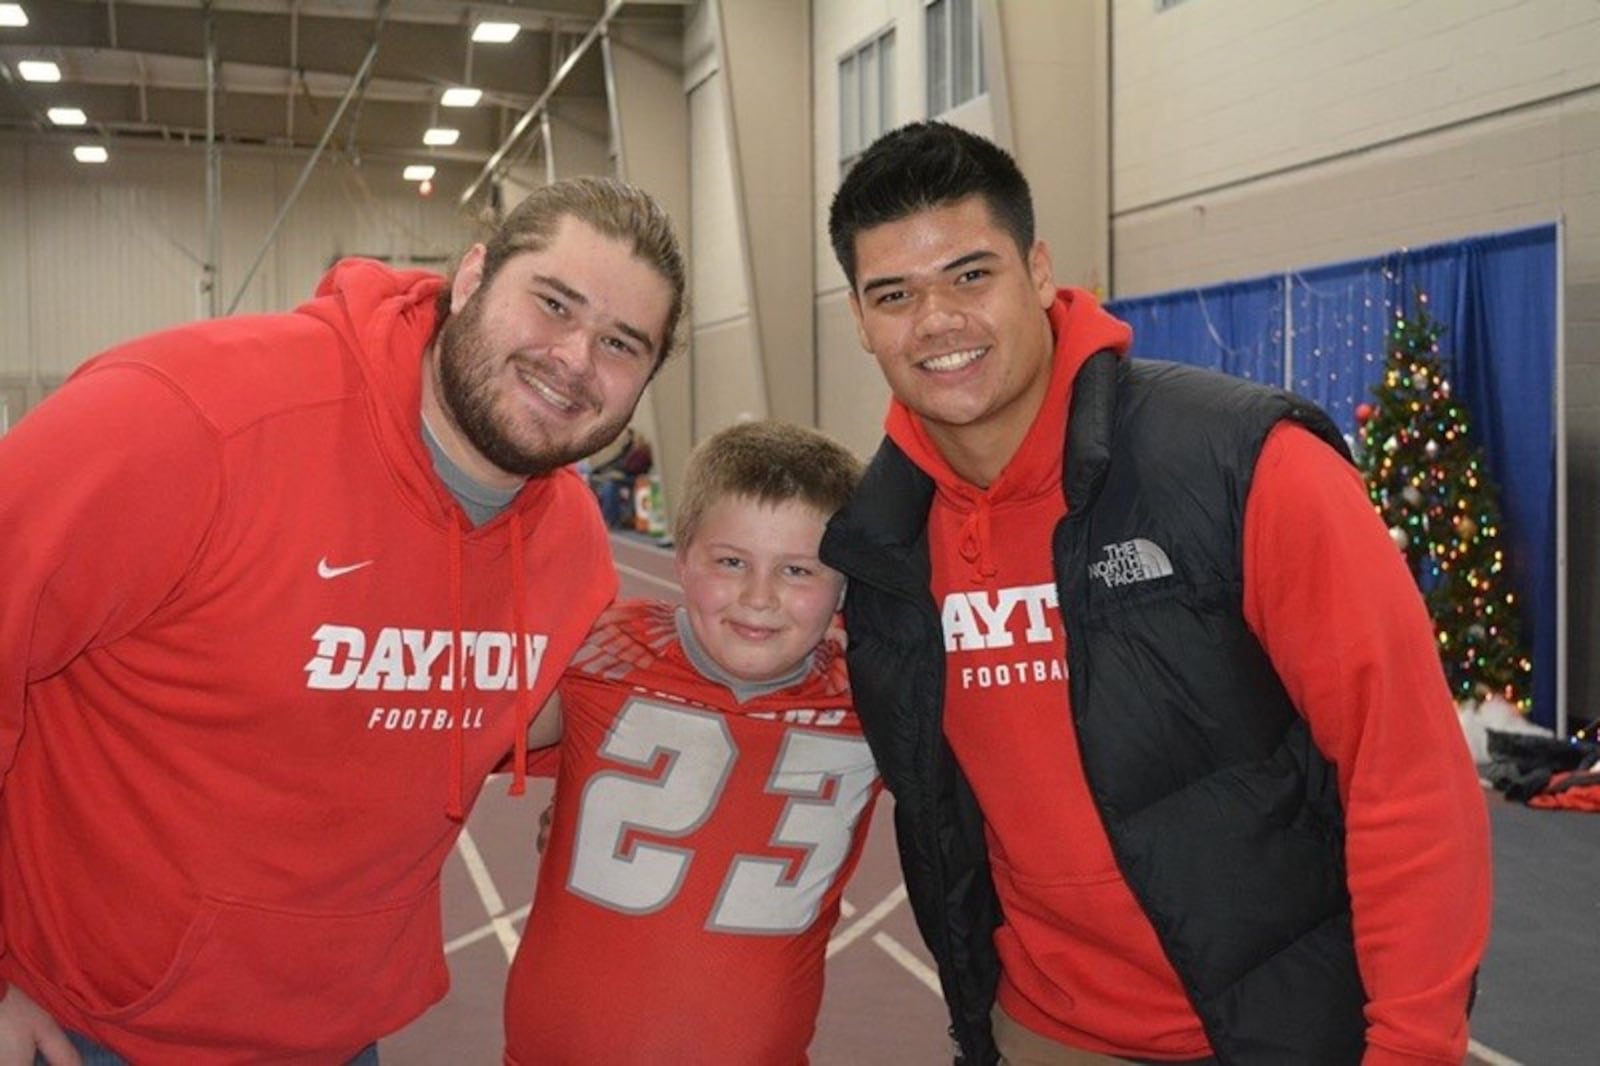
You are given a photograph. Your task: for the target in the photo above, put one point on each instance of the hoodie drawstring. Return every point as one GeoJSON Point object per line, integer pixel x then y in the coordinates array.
{"type": "Point", "coordinates": [456, 802]}
{"type": "Point", "coordinates": [975, 542]}
{"type": "Point", "coordinates": [520, 654]}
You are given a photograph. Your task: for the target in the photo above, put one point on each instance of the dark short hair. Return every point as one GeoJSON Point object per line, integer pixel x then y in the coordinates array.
{"type": "Point", "coordinates": [921, 166]}
{"type": "Point", "coordinates": [770, 463]}
{"type": "Point", "coordinates": [611, 207]}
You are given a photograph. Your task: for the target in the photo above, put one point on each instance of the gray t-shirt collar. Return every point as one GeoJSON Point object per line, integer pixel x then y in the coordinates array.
{"type": "Point", "coordinates": [743, 691]}
{"type": "Point", "coordinates": [481, 502]}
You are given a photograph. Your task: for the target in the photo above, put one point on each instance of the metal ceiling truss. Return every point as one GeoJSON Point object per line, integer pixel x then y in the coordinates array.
{"type": "Point", "coordinates": [234, 73]}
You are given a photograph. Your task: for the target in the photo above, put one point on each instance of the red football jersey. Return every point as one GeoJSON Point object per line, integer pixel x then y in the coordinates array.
{"type": "Point", "coordinates": [696, 860]}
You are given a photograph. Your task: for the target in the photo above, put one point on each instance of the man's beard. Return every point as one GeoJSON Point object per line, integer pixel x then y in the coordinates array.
{"type": "Point", "coordinates": [468, 368]}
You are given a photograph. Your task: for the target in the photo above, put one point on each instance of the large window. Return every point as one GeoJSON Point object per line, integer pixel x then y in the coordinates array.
{"type": "Point", "coordinates": [955, 54]}
{"type": "Point", "coordinates": [866, 96]}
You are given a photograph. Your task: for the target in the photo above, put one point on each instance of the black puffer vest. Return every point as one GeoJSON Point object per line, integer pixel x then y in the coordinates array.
{"type": "Point", "coordinates": [1223, 816]}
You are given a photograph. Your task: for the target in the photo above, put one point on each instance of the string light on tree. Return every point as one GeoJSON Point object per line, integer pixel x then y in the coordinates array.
{"type": "Point", "coordinates": [1428, 482]}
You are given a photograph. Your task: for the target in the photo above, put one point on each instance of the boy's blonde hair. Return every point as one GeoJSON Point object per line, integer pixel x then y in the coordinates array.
{"type": "Point", "coordinates": [768, 462]}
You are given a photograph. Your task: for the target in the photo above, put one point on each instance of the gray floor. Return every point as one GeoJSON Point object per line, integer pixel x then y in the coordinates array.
{"type": "Point", "coordinates": [1538, 987]}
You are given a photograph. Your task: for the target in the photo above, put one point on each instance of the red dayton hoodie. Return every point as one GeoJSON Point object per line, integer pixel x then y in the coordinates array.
{"type": "Point", "coordinates": [236, 753]}
{"type": "Point", "coordinates": [1330, 600]}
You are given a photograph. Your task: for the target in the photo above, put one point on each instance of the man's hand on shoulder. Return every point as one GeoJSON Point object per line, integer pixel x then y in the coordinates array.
{"type": "Point", "coordinates": [26, 1029]}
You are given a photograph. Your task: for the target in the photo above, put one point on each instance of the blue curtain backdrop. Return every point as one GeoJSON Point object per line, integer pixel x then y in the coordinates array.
{"type": "Point", "coordinates": [1237, 328]}
{"type": "Point", "coordinates": [1496, 298]}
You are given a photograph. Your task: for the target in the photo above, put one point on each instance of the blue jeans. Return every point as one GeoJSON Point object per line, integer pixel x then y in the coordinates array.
{"type": "Point", "coordinates": [99, 1055]}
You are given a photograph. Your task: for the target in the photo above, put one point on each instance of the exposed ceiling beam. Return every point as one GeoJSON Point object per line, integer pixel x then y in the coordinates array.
{"type": "Point", "coordinates": [183, 73]}
{"type": "Point", "coordinates": [573, 14]}
{"type": "Point", "coordinates": [498, 156]}
{"type": "Point", "coordinates": [137, 68]}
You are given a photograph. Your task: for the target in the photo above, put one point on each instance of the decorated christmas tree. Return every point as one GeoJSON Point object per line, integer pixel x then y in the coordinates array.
{"type": "Point", "coordinates": [1428, 481]}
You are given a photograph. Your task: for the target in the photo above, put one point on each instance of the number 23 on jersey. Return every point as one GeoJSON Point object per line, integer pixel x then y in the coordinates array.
{"type": "Point", "coordinates": [688, 758]}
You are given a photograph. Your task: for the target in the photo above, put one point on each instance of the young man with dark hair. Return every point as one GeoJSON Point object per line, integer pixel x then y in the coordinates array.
{"type": "Point", "coordinates": [1177, 776]}
{"type": "Point", "coordinates": [280, 591]}
{"type": "Point", "coordinates": [714, 788]}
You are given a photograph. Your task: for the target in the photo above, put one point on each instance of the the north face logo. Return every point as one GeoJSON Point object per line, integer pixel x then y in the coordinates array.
{"type": "Point", "coordinates": [1131, 561]}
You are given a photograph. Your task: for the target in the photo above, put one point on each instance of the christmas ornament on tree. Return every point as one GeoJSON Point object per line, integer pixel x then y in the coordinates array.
{"type": "Point", "coordinates": [1428, 482]}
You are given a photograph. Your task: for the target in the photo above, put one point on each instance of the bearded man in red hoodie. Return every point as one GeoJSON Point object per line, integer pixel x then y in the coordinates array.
{"type": "Point", "coordinates": [279, 592]}
{"type": "Point", "coordinates": [1177, 776]}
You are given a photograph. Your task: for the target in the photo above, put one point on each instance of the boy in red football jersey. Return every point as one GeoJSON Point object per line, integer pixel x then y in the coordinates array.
{"type": "Point", "coordinates": [712, 789]}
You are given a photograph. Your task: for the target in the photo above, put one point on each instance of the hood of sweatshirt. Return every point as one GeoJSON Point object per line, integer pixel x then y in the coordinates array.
{"type": "Point", "coordinates": [1081, 327]}
{"type": "Point", "coordinates": [387, 319]}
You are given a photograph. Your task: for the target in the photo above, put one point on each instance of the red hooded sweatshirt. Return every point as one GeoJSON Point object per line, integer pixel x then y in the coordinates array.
{"type": "Point", "coordinates": [236, 752]}
{"type": "Point", "coordinates": [1080, 960]}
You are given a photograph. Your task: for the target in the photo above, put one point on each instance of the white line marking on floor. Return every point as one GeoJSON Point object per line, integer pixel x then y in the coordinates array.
{"type": "Point", "coordinates": [633, 571]}
{"type": "Point", "coordinates": [908, 962]}
{"type": "Point", "coordinates": [1490, 1055]}
{"type": "Point", "coordinates": [487, 892]}
{"type": "Point", "coordinates": [845, 937]}
{"type": "Point", "coordinates": [897, 951]}
{"type": "Point", "coordinates": [485, 931]}
{"type": "Point", "coordinates": [478, 870]}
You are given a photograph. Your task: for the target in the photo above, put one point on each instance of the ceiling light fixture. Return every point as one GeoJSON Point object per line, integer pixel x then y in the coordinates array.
{"type": "Point", "coordinates": [67, 116]}
{"type": "Point", "coordinates": [13, 15]}
{"type": "Point", "coordinates": [38, 70]}
{"type": "Point", "coordinates": [441, 137]}
{"type": "Point", "coordinates": [461, 96]}
{"type": "Point", "coordinates": [419, 172]}
{"type": "Point", "coordinates": [495, 32]}
{"type": "Point", "coordinates": [90, 153]}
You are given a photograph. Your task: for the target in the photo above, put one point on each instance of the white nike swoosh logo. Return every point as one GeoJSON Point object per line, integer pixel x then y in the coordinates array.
{"type": "Point", "coordinates": [326, 571]}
